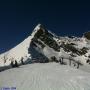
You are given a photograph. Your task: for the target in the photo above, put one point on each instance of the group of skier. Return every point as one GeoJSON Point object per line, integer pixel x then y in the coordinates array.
{"type": "Point", "coordinates": [71, 62]}
{"type": "Point", "coordinates": [61, 61]}
{"type": "Point", "coordinates": [15, 63]}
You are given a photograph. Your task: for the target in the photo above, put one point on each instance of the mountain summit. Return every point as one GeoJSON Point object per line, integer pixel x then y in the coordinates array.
{"type": "Point", "coordinates": [42, 45]}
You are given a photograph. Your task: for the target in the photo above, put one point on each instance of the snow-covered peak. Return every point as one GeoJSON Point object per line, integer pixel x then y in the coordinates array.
{"type": "Point", "coordinates": [19, 51]}
{"type": "Point", "coordinates": [43, 41]}
{"type": "Point", "coordinates": [36, 29]}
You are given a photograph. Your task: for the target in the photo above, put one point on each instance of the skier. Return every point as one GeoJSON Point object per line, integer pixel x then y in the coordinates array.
{"type": "Point", "coordinates": [12, 64]}
{"type": "Point", "coordinates": [70, 61]}
{"type": "Point", "coordinates": [60, 60]}
{"type": "Point", "coordinates": [16, 64]}
{"type": "Point", "coordinates": [22, 61]}
{"type": "Point", "coordinates": [78, 65]}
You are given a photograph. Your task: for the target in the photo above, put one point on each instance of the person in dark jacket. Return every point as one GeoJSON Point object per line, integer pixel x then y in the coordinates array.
{"type": "Point", "coordinates": [16, 64]}
{"type": "Point", "coordinates": [12, 64]}
{"type": "Point", "coordinates": [60, 60]}
{"type": "Point", "coordinates": [70, 61]}
{"type": "Point", "coordinates": [22, 62]}
{"type": "Point", "coordinates": [78, 65]}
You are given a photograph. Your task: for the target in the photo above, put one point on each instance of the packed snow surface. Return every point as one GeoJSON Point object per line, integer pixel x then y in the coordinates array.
{"type": "Point", "coordinates": [48, 76]}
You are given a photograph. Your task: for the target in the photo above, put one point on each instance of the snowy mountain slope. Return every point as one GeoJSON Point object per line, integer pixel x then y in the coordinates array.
{"type": "Point", "coordinates": [43, 44]}
{"type": "Point", "coordinates": [50, 76]}
{"type": "Point", "coordinates": [19, 51]}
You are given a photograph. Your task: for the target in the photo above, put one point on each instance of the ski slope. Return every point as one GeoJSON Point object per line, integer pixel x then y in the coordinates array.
{"type": "Point", "coordinates": [48, 76]}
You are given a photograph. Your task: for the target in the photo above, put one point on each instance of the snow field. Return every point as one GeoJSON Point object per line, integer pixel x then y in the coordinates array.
{"type": "Point", "coordinates": [49, 76]}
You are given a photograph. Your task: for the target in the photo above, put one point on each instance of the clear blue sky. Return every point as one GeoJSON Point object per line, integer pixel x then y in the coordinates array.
{"type": "Point", "coordinates": [19, 17]}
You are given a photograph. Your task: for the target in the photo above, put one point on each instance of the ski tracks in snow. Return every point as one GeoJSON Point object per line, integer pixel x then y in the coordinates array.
{"type": "Point", "coordinates": [50, 76]}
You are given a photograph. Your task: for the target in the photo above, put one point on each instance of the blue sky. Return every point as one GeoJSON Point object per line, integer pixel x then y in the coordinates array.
{"type": "Point", "coordinates": [19, 17]}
